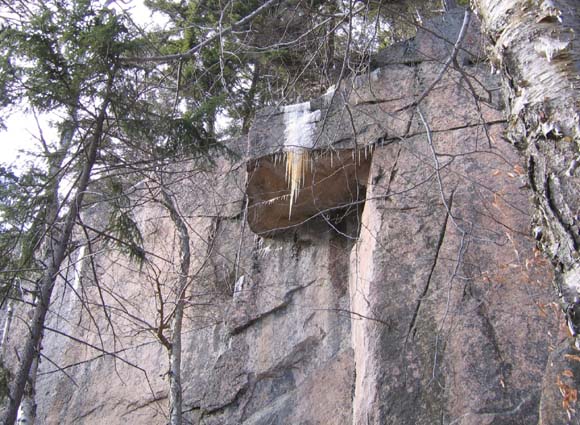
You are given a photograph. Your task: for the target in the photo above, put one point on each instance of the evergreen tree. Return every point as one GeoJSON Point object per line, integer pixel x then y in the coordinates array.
{"type": "Point", "coordinates": [61, 58]}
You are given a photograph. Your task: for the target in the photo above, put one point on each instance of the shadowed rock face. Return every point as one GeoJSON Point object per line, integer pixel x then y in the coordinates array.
{"type": "Point", "coordinates": [429, 305]}
{"type": "Point", "coordinates": [334, 182]}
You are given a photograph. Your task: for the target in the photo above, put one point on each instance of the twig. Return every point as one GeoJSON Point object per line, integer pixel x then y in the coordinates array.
{"type": "Point", "coordinates": [60, 369]}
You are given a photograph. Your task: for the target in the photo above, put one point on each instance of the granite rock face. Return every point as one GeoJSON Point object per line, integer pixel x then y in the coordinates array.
{"type": "Point", "coordinates": [460, 297]}
{"type": "Point", "coordinates": [404, 288]}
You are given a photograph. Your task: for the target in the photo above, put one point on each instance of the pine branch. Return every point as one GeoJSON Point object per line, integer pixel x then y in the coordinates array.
{"type": "Point", "coordinates": [216, 36]}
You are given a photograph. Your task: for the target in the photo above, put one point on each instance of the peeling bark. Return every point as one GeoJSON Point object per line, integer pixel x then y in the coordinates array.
{"type": "Point", "coordinates": [535, 49]}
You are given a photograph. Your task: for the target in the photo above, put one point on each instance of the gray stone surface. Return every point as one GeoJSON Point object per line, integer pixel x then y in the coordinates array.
{"type": "Point", "coordinates": [434, 42]}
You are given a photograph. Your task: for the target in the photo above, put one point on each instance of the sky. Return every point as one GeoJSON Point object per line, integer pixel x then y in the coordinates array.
{"type": "Point", "coordinates": [22, 131]}
{"type": "Point", "coordinates": [21, 134]}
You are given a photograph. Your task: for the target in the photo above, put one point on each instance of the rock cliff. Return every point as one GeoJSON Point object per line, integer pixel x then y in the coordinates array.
{"type": "Point", "coordinates": [394, 282]}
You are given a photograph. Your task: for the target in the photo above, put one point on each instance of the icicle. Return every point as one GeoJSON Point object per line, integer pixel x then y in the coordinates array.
{"type": "Point", "coordinates": [78, 272]}
{"type": "Point", "coordinates": [299, 123]}
{"type": "Point", "coordinates": [78, 268]}
{"type": "Point", "coordinates": [296, 173]}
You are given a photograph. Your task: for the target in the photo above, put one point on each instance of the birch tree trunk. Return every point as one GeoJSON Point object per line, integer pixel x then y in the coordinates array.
{"type": "Point", "coordinates": [6, 330]}
{"type": "Point", "coordinates": [58, 240]}
{"type": "Point", "coordinates": [27, 409]}
{"type": "Point", "coordinates": [175, 391]}
{"type": "Point", "coordinates": [537, 50]}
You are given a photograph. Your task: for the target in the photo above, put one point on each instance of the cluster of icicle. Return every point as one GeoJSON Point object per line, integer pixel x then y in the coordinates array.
{"type": "Point", "coordinates": [300, 123]}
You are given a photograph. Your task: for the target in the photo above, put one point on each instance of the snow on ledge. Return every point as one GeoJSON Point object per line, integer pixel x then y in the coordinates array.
{"type": "Point", "coordinates": [299, 126]}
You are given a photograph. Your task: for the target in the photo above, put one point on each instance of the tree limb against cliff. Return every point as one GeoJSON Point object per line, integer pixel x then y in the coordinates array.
{"type": "Point", "coordinates": [174, 348]}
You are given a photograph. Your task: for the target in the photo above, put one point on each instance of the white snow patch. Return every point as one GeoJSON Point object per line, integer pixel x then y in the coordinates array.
{"type": "Point", "coordinates": [239, 286]}
{"type": "Point", "coordinates": [330, 91]}
{"type": "Point", "coordinates": [572, 281]}
{"type": "Point", "coordinates": [78, 271]}
{"type": "Point", "coordinates": [329, 94]}
{"type": "Point", "coordinates": [299, 122]}
{"type": "Point", "coordinates": [299, 126]}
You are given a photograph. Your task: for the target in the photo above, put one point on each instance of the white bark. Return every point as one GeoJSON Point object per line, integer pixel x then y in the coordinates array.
{"type": "Point", "coordinates": [26, 411]}
{"type": "Point", "coordinates": [6, 330]}
{"type": "Point", "coordinates": [27, 408]}
{"type": "Point", "coordinates": [537, 50]}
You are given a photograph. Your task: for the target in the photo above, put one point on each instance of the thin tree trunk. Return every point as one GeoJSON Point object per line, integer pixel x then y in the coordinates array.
{"type": "Point", "coordinates": [58, 241]}
{"type": "Point", "coordinates": [175, 391]}
{"type": "Point", "coordinates": [249, 106]}
{"type": "Point", "coordinates": [27, 409]}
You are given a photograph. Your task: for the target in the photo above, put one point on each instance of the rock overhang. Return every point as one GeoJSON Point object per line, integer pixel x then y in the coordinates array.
{"type": "Point", "coordinates": [297, 155]}
{"type": "Point", "coordinates": [298, 171]}
{"type": "Point", "coordinates": [333, 183]}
